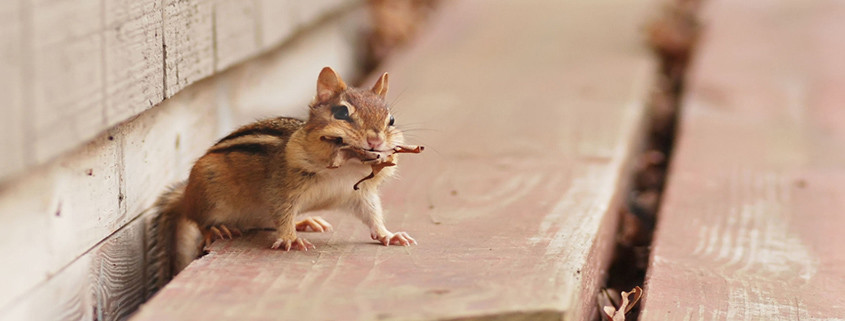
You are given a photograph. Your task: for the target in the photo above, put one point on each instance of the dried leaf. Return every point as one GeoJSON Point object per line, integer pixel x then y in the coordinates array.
{"type": "Point", "coordinates": [347, 152]}
{"type": "Point", "coordinates": [628, 303]}
{"type": "Point", "coordinates": [379, 166]}
{"type": "Point", "coordinates": [408, 149]}
{"type": "Point", "coordinates": [376, 168]}
{"type": "Point", "coordinates": [344, 152]}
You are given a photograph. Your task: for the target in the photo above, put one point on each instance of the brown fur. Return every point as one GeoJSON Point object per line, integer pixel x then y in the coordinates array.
{"type": "Point", "coordinates": [265, 173]}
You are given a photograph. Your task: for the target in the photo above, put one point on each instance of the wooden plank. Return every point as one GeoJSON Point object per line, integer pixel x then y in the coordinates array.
{"type": "Point", "coordinates": [67, 76]}
{"type": "Point", "coordinates": [236, 32]}
{"type": "Point", "coordinates": [751, 222]}
{"type": "Point", "coordinates": [59, 212]}
{"type": "Point", "coordinates": [277, 20]}
{"type": "Point", "coordinates": [188, 41]}
{"type": "Point", "coordinates": [106, 283]}
{"type": "Point", "coordinates": [81, 67]}
{"type": "Point", "coordinates": [514, 207]}
{"type": "Point", "coordinates": [145, 155]}
{"type": "Point", "coordinates": [12, 141]}
{"type": "Point", "coordinates": [65, 296]}
{"type": "Point", "coordinates": [66, 208]}
{"type": "Point", "coordinates": [272, 85]}
{"type": "Point", "coordinates": [159, 147]}
{"type": "Point", "coordinates": [133, 39]}
{"type": "Point", "coordinates": [117, 273]}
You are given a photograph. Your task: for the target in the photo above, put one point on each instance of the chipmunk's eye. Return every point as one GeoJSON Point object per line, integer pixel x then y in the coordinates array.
{"type": "Point", "coordinates": [341, 112]}
{"type": "Point", "coordinates": [392, 120]}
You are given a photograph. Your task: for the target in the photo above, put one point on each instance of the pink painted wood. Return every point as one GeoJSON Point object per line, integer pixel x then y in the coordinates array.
{"type": "Point", "coordinates": [530, 113]}
{"type": "Point", "coordinates": [752, 221]}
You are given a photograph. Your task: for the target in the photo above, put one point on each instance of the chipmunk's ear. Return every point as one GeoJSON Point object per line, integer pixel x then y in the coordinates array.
{"type": "Point", "coordinates": [380, 88]}
{"type": "Point", "coordinates": [329, 84]}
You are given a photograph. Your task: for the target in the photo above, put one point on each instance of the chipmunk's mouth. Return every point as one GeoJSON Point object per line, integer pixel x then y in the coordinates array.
{"type": "Point", "coordinates": [339, 141]}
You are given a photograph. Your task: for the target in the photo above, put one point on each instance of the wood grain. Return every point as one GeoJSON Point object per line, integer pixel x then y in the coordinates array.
{"type": "Point", "coordinates": [72, 69]}
{"type": "Point", "coordinates": [134, 57]}
{"type": "Point", "coordinates": [117, 273]}
{"type": "Point", "coordinates": [66, 208]}
{"type": "Point", "coordinates": [106, 283]}
{"type": "Point", "coordinates": [58, 213]}
{"type": "Point", "coordinates": [188, 42]}
{"type": "Point", "coordinates": [65, 296]}
{"type": "Point", "coordinates": [751, 222]}
{"type": "Point", "coordinates": [513, 203]}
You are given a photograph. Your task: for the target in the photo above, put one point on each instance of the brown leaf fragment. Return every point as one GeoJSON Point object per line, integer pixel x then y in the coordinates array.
{"type": "Point", "coordinates": [378, 160]}
{"type": "Point", "coordinates": [376, 168]}
{"type": "Point", "coordinates": [347, 152]}
{"type": "Point", "coordinates": [628, 303]}
{"type": "Point", "coordinates": [408, 149]}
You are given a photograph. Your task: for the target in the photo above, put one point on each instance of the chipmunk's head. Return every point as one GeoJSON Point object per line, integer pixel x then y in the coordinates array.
{"type": "Point", "coordinates": [352, 116]}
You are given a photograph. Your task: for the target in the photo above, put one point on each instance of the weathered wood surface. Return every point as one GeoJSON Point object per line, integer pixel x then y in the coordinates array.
{"type": "Point", "coordinates": [530, 112]}
{"type": "Point", "coordinates": [751, 225]}
{"type": "Point", "coordinates": [70, 69]}
{"type": "Point", "coordinates": [103, 284]}
{"type": "Point", "coordinates": [57, 216]}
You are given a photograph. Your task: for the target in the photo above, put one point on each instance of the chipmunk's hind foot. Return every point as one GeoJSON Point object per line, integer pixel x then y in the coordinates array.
{"type": "Point", "coordinates": [295, 244]}
{"type": "Point", "coordinates": [219, 232]}
{"type": "Point", "coordinates": [315, 223]}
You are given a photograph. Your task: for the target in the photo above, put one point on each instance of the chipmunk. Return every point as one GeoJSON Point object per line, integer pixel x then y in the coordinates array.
{"type": "Point", "coordinates": [266, 173]}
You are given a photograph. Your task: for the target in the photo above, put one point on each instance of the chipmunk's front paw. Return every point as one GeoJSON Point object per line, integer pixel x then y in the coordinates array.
{"type": "Point", "coordinates": [398, 238]}
{"type": "Point", "coordinates": [295, 244]}
{"type": "Point", "coordinates": [316, 223]}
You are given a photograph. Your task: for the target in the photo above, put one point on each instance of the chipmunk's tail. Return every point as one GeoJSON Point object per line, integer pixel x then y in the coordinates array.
{"type": "Point", "coordinates": [173, 240]}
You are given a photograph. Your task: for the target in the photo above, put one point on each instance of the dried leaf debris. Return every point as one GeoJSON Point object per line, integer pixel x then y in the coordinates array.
{"type": "Point", "coordinates": [376, 159]}
{"type": "Point", "coordinates": [377, 167]}
{"type": "Point", "coordinates": [630, 299]}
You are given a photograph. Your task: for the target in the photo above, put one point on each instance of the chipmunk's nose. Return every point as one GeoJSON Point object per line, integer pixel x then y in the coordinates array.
{"type": "Point", "coordinates": [374, 142]}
